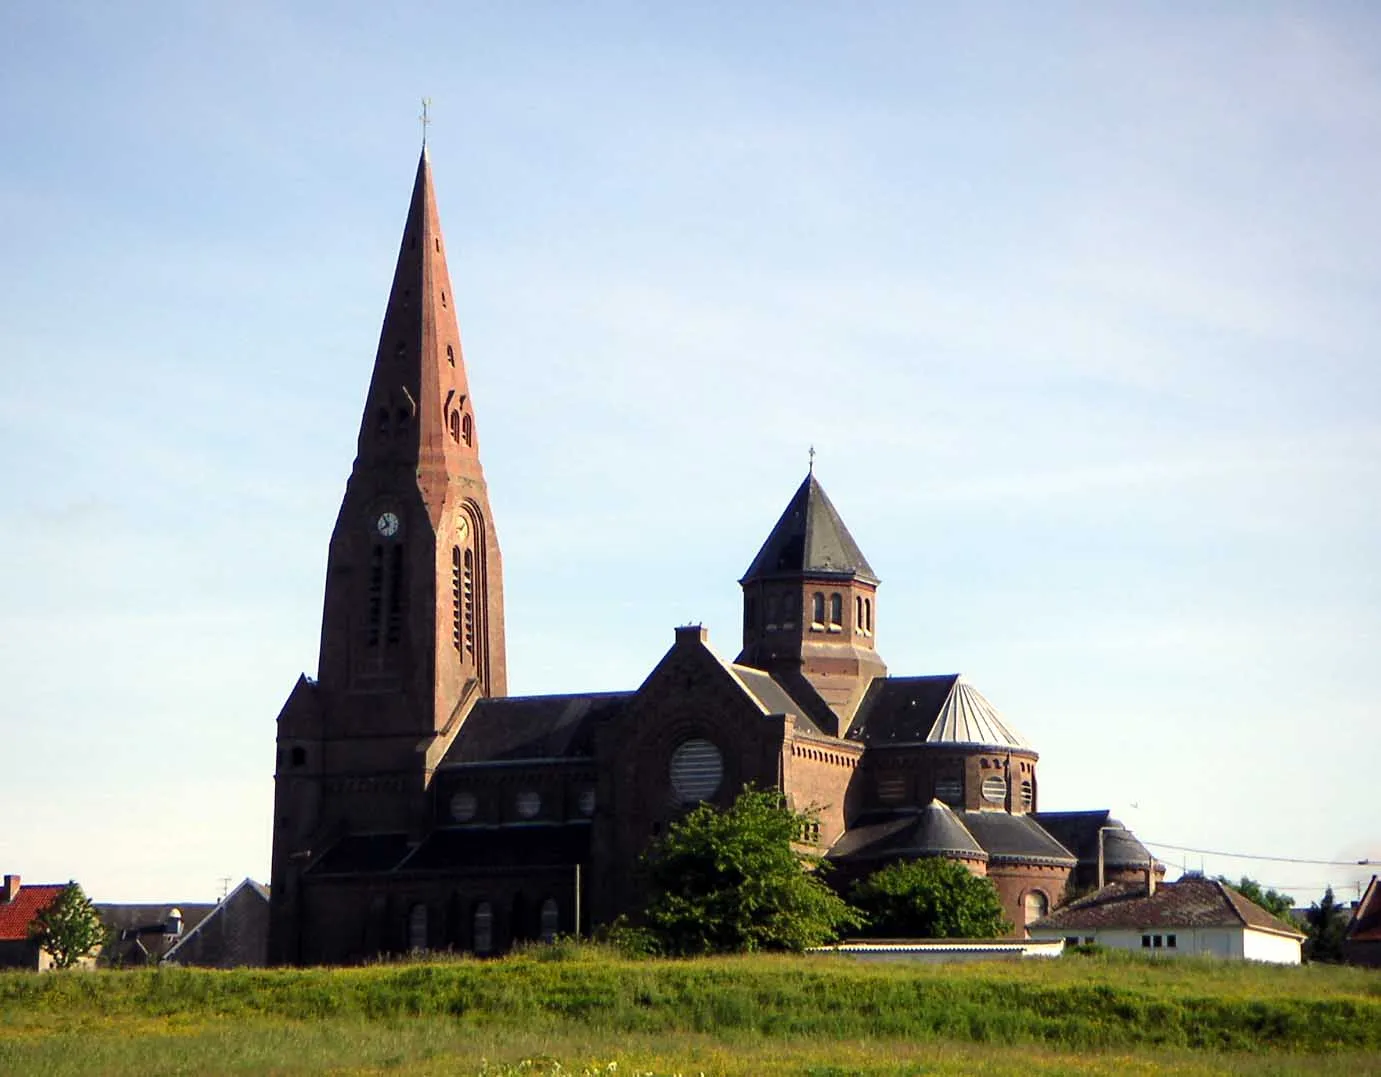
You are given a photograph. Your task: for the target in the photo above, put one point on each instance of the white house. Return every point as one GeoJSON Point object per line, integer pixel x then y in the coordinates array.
{"type": "Point", "coordinates": [1193, 915]}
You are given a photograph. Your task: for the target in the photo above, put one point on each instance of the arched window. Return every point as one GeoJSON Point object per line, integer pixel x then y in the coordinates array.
{"type": "Point", "coordinates": [836, 610]}
{"type": "Point", "coordinates": [467, 429]}
{"type": "Point", "coordinates": [817, 610]}
{"type": "Point", "coordinates": [1027, 794]}
{"type": "Point", "coordinates": [750, 613]}
{"type": "Point", "coordinates": [381, 422]}
{"type": "Point", "coordinates": [450, 355]}
{"type": "Point", "coordinates": [771, 611]}
{"type": "Point", "coordinates": [456, 612]}
{"type": "Point", "coordinates": [467, 587]}
{"type": "Point", "coordinates": [484, 928]}
{"type": "Point", "coordinates": [1035, 905]}
{"type": "Point", "coordinates": [868, 616]}
{"type": "Point", "coordinates": [550, 922]}
{"type": "Point", "coordinates": [443, 297]}
{"type": "Point", "coordinates": [454, 424]}
{"type": "Point", "coordinates": [299, 756]}
{"type": "Point", "coordinates": [417, 928]}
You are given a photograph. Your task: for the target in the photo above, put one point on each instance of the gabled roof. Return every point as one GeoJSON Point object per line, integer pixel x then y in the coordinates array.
{"type": "Point", "coordinates": [773, 698]}
{"type": "Point", "coordinates": [1190, 902]}
{"type": "Point", "coordinates": [1366, 921]}
{"type": "Point", "coordinates": [17, 915]}
{"type": "Point", "coordinates": [248, 885]}
{"type": "Point", "coordinates": [932, 710]}
{"type": "Point", "coordinates": [533, 727]}
{"type": "Point", "coordinates": [810, 538]}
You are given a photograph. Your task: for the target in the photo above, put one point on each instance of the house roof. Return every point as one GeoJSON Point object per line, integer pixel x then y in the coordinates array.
{"type": "Point", "coordinates": [248, 885]}
{"type": "Point", "coordinates": [1015, 837]}
{"type": "Point", "coordinates": [1189, 902]}
{"type": "Point", "coordinates": [18, 914]}
{"type": "Point", "coordinates": [134, 918]}
{"type": "Point", "coordinates": [810, 538]}
{"type": "Point", "coordinates": [933, 831]}
{"type": "Point", "coordinates": [943, 710]}
{"type": "Point", "coordinates": [533, 727]}
{"type": "Point", "coordinates": [1366, 921]}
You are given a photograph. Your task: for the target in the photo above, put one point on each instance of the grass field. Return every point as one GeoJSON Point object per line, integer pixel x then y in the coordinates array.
{"type": "Point", "coordinates": [577, 1010]}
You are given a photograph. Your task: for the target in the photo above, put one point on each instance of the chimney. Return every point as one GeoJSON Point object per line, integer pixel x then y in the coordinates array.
{"type": "Point", "coordinates": [1151, 877]}
{"type": "Point", "coordinates": [11, 890]}
{"type": "Point", "coordinates": [690, 635]}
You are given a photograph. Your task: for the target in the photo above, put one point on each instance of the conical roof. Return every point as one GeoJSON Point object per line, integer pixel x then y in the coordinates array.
{"type": "Point", "coordinates": [810, 538]}
{"type": "Point", "coordinates": [937, 831]}
{"type": "Point", "coordinates": [968, 718]}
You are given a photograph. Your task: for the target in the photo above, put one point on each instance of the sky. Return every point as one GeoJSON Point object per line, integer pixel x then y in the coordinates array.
{"type": "Point", "coordinates": [1076, 303]}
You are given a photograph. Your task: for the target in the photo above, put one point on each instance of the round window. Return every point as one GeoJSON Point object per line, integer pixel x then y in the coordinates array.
{"type": "Point", "coordinates": [463, 807]}
{"type": "Point", "coordinates": [697, 768]}
{"type": "Point", "coordinates": [586, 802]}
{"type": "Point", "coordinates": [528, 803]}
{"type": "Point", "coordinates": [995, 789]}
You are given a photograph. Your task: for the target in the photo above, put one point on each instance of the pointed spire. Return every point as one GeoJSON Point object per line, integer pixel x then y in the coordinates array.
{"type": "Point", "coordinates": [419, 411]}
{"type": "Point", "coordinates": [810, 537]}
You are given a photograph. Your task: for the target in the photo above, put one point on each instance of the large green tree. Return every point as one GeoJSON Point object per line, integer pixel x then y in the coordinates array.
{"type": "Point", "coordinates": [1273, 901]}
{"type": "Point", "coordinates": [930, 898]}
{"type": "Point", "coordinates": [736, 880]}
{"type": "Point", "coordinates": [68, 928]}
{"type": "Point", "coordinates": [1327, 924]}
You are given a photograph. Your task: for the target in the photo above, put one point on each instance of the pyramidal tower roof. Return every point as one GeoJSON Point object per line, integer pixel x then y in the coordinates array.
{"type": "Point", "coordinates": [811, 538]}
{"type": "Point", "coordinates": [419, 386]}
{"type": "Point", "coordinates": [968, 718]}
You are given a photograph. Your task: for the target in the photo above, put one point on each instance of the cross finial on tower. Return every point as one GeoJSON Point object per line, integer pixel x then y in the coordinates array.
{"type": "Point", "coordinates": [812, 459]}
{"type": "Point", "coordinates": [426, 119]}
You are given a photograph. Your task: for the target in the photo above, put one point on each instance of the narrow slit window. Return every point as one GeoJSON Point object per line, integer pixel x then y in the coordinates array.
{"type": "Point", "coordinates": [454, 424]}
{"type": "Point", "coordinates": [836, 610]}
{"type": "Point", "coordinates": [468, 601]}
{"type": "Point", "coordinates": [395, 597]}
{"type": "Point", "coordinates": [467, 429]}
{"type": "Point", "coordinates": [376, 594]}
{"type": "Point", "coordinates": [817, 610]}
{"type": "Point", "coordinates": [456, 609]}
{"type": "Point", "coordinates": [450, 355]}
{"type": "Point", "coordinates": [484, 928]}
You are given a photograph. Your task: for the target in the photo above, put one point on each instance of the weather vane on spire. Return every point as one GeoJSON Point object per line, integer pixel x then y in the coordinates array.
{"type": "Point", "coordinates": [812, 459]}
{"type": "Point", "coordinates": [426, 119]}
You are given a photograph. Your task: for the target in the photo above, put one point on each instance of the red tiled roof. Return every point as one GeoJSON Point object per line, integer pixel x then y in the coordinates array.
{"type": "Point", "coordinates": [17, 915]}
{"type": "Point", "coordinates": [1186, 903]}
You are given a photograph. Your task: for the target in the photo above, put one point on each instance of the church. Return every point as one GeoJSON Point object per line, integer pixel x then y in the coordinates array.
{"type": "Point", "coordinates": [418, 806]}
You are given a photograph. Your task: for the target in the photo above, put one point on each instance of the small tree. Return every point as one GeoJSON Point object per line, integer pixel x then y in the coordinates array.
{"type": "Point", "coordinates": [68, 928]}
{"type": "Point", "coordinates": [1273, 901]}
{"type": "Point", "coordinates": [1327, 924]}
{"type": "Point", "coordinates": [734, 880]}
{"type": "Point", "coordinates": [931, 898]}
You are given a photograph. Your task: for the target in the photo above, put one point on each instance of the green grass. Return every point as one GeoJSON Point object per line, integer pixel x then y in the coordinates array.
{"type": "Point", "coordinates": [580, 1007]}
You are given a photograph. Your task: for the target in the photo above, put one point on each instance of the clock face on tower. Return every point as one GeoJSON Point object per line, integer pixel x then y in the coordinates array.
{"type": "Point", "coordinates": [462, 530]}
{"type": "Point", "coordinates": [387, 524]}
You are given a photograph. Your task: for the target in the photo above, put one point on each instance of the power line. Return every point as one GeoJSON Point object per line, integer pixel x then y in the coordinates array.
{"type": "Point", "coordinates": [1249, 856]}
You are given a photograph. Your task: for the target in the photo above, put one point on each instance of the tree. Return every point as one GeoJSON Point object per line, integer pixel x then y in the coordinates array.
{"type": "Point", "coordinates": [68, 928]}
{"type": "Point", "coordinates": [1327, 923]}
{"type": "Point", "coordinates": [1273, 901]}
{"type": "Point", "coordinates": [931, 898]}
{"type": "Point", "coordinates": [735, 880]}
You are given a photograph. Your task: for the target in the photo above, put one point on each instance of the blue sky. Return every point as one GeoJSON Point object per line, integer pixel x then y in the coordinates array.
{"type": "Point", "coordinates": [1077, 304]}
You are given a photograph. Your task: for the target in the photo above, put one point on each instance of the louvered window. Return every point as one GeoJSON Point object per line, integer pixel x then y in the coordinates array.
{"type": "Point", "coordinates": [697, 768]}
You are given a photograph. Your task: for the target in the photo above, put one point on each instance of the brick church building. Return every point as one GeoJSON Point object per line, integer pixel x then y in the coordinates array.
{"type": "Point", "coordinates": [418, 805]}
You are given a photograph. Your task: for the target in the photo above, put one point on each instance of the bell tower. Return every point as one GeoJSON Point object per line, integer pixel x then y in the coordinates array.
{"type": "Point", "coordinates": [412, 627]}
{"type": "Point", "coordinates": [809, 608]}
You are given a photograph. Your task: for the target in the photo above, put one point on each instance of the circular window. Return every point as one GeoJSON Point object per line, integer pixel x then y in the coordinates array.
{"type": "Point", "coordinates": [995, 789]}
{"type": "Point", "coordinates": [528, 804]}
{"type": "Point", "coordinates": [463, 807]}
{"type": "Point", "coordinates": [697, 768]}
{"type": "Point", "coordinates": [586, 802]}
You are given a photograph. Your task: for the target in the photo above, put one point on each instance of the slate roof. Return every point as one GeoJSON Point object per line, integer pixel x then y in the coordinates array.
{"type": "Point", "coordinates": [1078, 831]}
{"type": "Point", "coordinates": [1018, 837]}
{"type": "Point", "coordinates": [216, 910]}
{"type": "Point", "coordinates": [453, 848]}
{"type": "Point", "coordinates": [931, 710]}
{"type": "Point", "coordinates": [810, 537]}
{"type": "Point", "coordinates": [1190, 902]}
{"type": "Point", "coordinates": [150, 918]}
{"type": "Point", "coordinates": [933, 831]}
{"type": "Point", "coordinates": [533, 727]}
{"type": "Point", "coordinates": [18, 914]}
{"type": "Point", "coordinates": [362, 853]}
